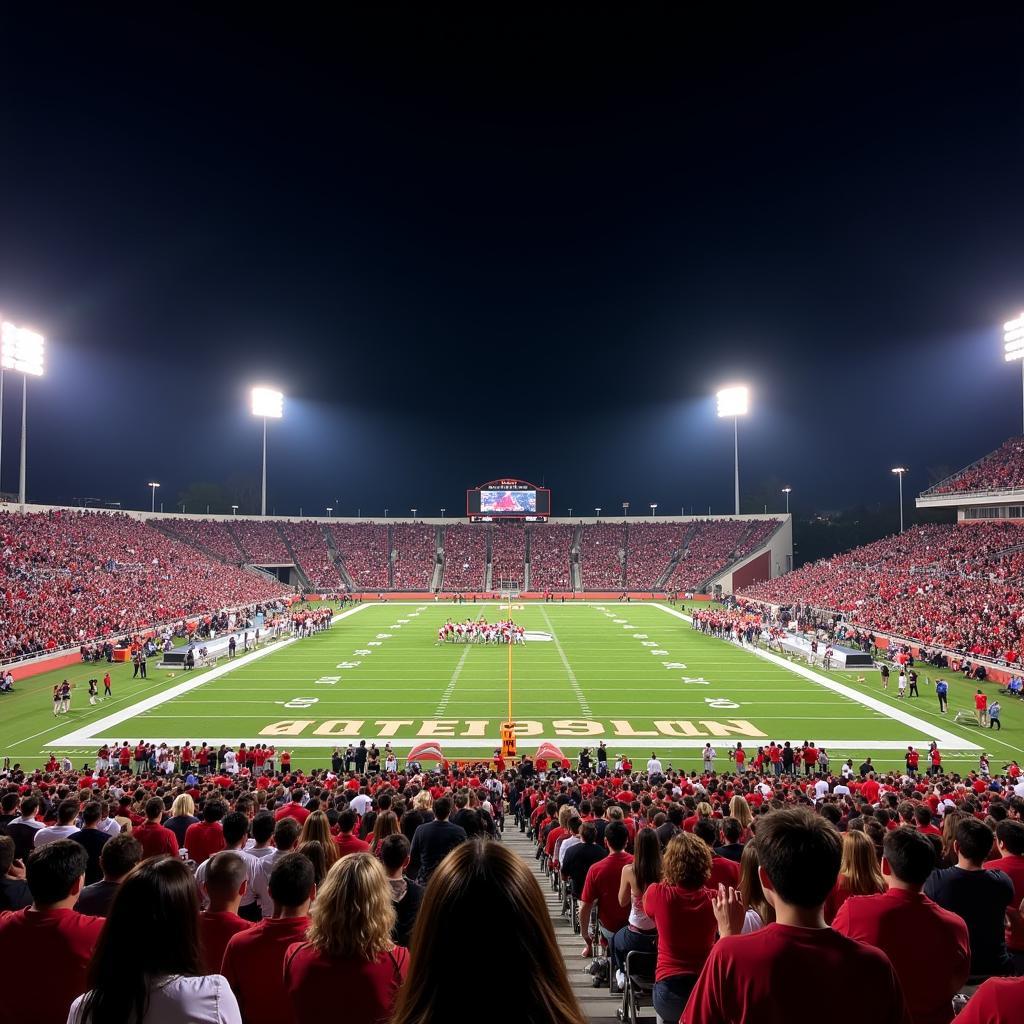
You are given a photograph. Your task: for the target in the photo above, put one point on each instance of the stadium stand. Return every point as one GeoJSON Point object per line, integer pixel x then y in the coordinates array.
{"type": "Point", "coordinates": [415, 556]}
{"type": "Point", "coordinates": [260, 541]}
{"type": "Point", "coordinates": [649, 549]}
{"type": "Point", "coordinates": [212, 535]}
{"type": "Point", "coordinates": [955, 586]}
{"type": "Point", "coordinates": [508, 552]}
{"type": "Point", "coordinates": [465, 557]}
{"type": "Point", "coordinates": [549, 557]}
{"type": "Point", "coordinates": [310, 549]}
{"type": "Point", "coordinates": [1001, 470]}
{"type": "Point", "coordinates": [714, 545]}
{"type": "Point", "coordinates": [365, 550]}
{"type": "Point", "coordinates": [70, 577]}
{"type": "Point", "coordinates": [601, 553]}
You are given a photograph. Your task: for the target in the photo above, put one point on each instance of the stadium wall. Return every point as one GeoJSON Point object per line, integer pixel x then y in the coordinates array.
{"type": "Point", "coordinates": [773, 558]}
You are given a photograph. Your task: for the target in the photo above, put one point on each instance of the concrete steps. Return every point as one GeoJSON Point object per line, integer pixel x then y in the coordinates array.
{"type": "Point", "coordinates": [597, 1004]}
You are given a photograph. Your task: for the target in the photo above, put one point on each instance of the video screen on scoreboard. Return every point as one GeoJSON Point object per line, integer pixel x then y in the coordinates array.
{"type": "Point", "coordinates": [508, 502]}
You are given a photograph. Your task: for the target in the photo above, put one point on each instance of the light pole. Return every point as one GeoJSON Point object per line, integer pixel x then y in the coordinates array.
{"type": "Point", "coordinates": [267, 404]}
{"type": "Point", "coordinates": [570, 512]}
{"type": "Point", "coordinates": [654, 507]}
{"type": "Point", "coordinates": [899, 471]}
{"type": "Point", "coordinates": [625, 509]}
{"type": "Point", "coordinates": [787, 491]}
{"type": "Point", "coordinates": [597, 512]}
{"type": "Point", "coordinates": [735, 402]}
{"type": "Point", "coordinates": [413, 511]}
{"type": "Point", "coordinates": [443, 512]}
{"type": "Point", "coordinates": [153, 485]}
{"type": "Point", "coordinates": [330, 509]}
{"type": "Point", "coordinates": [1013, 343]}
{"type": "Point", "coordinates": [21, 350]}
{"type": "Point", "coordinates": [234, 510]}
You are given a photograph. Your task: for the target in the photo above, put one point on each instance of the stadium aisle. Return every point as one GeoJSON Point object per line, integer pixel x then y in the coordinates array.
{"type": "Point", "coordinates": [597, 1004]}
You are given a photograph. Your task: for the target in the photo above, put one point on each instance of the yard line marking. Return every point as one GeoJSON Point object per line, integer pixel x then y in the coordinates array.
{"type": "Point", "coordinates": [573, 681]}
{"type": "Point", "coordinates": [944, 738]}
{"type": "Point", "coordinates": [85, 733]}
{"type": "Point", "coordinates": [447, 695]}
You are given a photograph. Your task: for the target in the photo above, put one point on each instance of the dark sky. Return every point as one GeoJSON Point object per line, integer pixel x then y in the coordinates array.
{"type": "Point", "coordinates": [524, 244]}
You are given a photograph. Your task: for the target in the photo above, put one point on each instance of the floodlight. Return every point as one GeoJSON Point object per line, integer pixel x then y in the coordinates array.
{"type": "Point", "coordinates": [21, 349]}
{"type": "Point", "coordinates": [1013, 339]}
{"type": "Point", "coordinates": [733, 401]}
{"type": "Point", "coordinates": [268, 403]}
{"type": "Point", "coordinates": [899, 469]}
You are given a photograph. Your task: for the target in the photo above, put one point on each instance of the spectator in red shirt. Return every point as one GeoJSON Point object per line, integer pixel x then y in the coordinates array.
{"type": "Point", "coordinates": [859, 873]}
{"type": "Point", "coordinates": [800, 854]}
{"type": "Point", "coordinates": [932, 967]}
{"type": "Point", "coordinates": [294, 809]}
{"type": "Point", "coordinates": [206, 837]}
{"type": "Point", "coordinates": [156, 840]}
{"type": "Point", "coordinates": [46, 948]}
{"type": "Point", "coordinates": [682, 909]}
{"type": "Point", "coordinates": [1010, 844]}
{"type": "Point", "coordinates": [997, 1001]}
{"type": "Point", "coordinates": [723, 870]}
{"type": "Point", "coordinates": [345, 841]}
{"type": "Point", "coordinates": [225, 883]}
{"type": "Point", "coordinates": [147, 965]}
{"type": "Point", "coordinates": [349, 951]}
{"type": "Point", "coordinates": [254, 960]}
{"type": "Point", "coordinates": [602, 885]}
{"type": "Point", "coordinates": [517, 930]}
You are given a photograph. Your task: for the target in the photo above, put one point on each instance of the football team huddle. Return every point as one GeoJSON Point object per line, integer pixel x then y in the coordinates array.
{"type": "Point", "coordinates": [480, 631]}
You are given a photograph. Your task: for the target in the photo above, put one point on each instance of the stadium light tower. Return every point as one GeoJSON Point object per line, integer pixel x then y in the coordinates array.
{"type": "Point", "coordinates": [787, 491]}
{"type": "Point", "coordinates": [1013, 343]}
{"type": "Point", "coordinates": [899, 471]}
{"type": "Point", "coordinates": [234, 510]}
{"type": "Point", "coordinates": [597, 512]}
{"type": "Point", "coordinates": [21, 350]}
{"type": "Point", "coordinates": [413, 511]}
{"type": "Point", "coordinates": [734, 402]}
{"type": "Point", "coordinates": [269, 405]}
{"type": "Point", "coordinates": [330, 509]}
{"type": "Point", "coordinates": [625, 509]}
{"type": "Point", "coordinates": [654, 507]}
{"type": "Point", "coordinates": [153, 485]}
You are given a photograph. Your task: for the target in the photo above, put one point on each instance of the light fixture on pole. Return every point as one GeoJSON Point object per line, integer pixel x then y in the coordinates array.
{"type": "Point", "coordinates": [269, 405]}
{"type": "Point", "coordinates": [153, 485]}
{"type": "Point", "coordinates": [734, 402]}
{"type": "Point", "coordinates": [570, 512]}
{"type": "Point", "coordinates": [787, 491]}
{"type": "Point", "coordinates": [234, 510]}
{"type": "Point", "coordinates": [625, 509]}
{"type": "Point", "coordinates": [597, 512]}
{"type": "Point", "coordinates": [385, 513]}
{"type": "Point", "coordinates": [21, 350]}
{"type": "Point", "coordinates": [654, 507]}
{"type": "Point", "coordinates": [1013, 343]}
{"type": "Point", "coordinates": [899, 471]}
{"type": "Point", "coordinates": [330, 509]}
{"type": "Point", "coordinates": [413, 511]}
{"type": "Point", "coordinates": [443, 512]}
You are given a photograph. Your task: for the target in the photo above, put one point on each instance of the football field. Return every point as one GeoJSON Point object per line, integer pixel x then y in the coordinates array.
{"type": "Point", "coordinates": [634, 675]}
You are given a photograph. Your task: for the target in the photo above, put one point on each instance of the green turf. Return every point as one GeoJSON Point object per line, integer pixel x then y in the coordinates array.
{"type": "Point", "coordinates": [599, 678]}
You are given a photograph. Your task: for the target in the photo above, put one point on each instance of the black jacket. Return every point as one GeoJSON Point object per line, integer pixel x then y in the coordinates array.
{"type": "Point", "coordinates": [432, 842]}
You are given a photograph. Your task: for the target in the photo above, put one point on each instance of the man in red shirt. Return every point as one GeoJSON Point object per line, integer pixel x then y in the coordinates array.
{"type": "Point", "coordinates": [887, 920]}
{"type": "Point", "coordinates": [997, 1001]}
{"type": "Point", "coordinates": [294, 809]}
{"type": "Point", "coordinates": [46, 948]}
{"type": "Point", "coordinates": [254, 959]}
{"type": "Point", "coordinates": [602, 886]}
{"type": "Point", "coordinates": [799, 855]}
{"type": "Point", "coordinates": [981, 708]}
{"type": "Point", "coordinates": [155, 839]}
{"type": "Point", "coordinates": [1010, 844]}
{"type": "Point", "coordinates": [225, 885]}
{"type": "Point", "coordinates": [344, 840]}
{"type": "Point", "coordinates": [206, 837]}
{"type": "Point", "coordinates": [723, 871]}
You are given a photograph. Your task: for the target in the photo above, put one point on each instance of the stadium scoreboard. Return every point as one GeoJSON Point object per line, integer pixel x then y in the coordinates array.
{"type": "Point", "coordinates": [508, 499]}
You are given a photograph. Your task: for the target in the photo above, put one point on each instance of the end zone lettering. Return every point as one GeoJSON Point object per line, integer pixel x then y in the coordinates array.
{"type": "Point", "coordinates": [484, 729]}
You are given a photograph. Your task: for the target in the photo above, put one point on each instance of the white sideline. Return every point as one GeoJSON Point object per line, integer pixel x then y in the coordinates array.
{"type": "Point", "coordinates": [941, 736]}
{"type": "Point", "coordinates": [89, 733]}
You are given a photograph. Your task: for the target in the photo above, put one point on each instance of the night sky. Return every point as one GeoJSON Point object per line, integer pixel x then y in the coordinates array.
{"type": "Point", "coordinates": [527, 244]}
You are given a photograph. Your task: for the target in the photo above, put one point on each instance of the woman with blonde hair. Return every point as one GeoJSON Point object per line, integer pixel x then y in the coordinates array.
{"type": "Point", "coordinates": [740, 810]}
{"type": "Point", "coordinates": [681, 908]}
{"type": "Point", "coordinates": [759, 911]}
{"type": "Point", "coordinates": [385, 825]}
{"type": "Point", "coordinates": [859, 873]}
{"type": "Point", "coordinates": [515, 929]}
{"type": "Point", "coordinates": [348, 950]}
{"type": "Point", "coordinates": [317, 829]}
{"type": "Point", "coordinates": [183, 814]}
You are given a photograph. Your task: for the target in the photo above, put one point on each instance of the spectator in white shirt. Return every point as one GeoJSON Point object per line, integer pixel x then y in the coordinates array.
{"type": "Point", "coordinates": [653, 765]}
{"type": "Point", "coordinates": [154, 982]}
{"type": "Point", "coordinates": [67, 812]}
{"type": "Point", "coordinates": [255, 903]}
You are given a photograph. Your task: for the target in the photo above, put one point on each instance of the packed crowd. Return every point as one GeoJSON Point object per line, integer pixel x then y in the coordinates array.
{"type": "Point", "coordinates": [649, 548]}
{"type": "Point", "coordinates": [212, 534]}
{"type": "Point", "coordinates": [73, 577]}
{"type": "Point", "coordinates": [945, 586]}
{"type": "Point", "coordinates": [266, 896]}
{"type": "Point", "coordinates": [415, 556]}
{"type": "Point", "coordinates": [465, 557]}
{"type": "Point", "coordinates": [508, 552]}
{"type": "Point", "coordinates": [712, 546]}
{"type": "Point", "coordinates": [1000, 470]}
{"type": "Point", "coordinates": [366, 553]}
{"type": "Point", "coordinates": [310, 549]}
{"type": "Point", "coordinates": [602, 550]}
{"type": "Point", "coordinates": [549, 557]}
{"type": "Point", "coordinates": [260, 541]}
